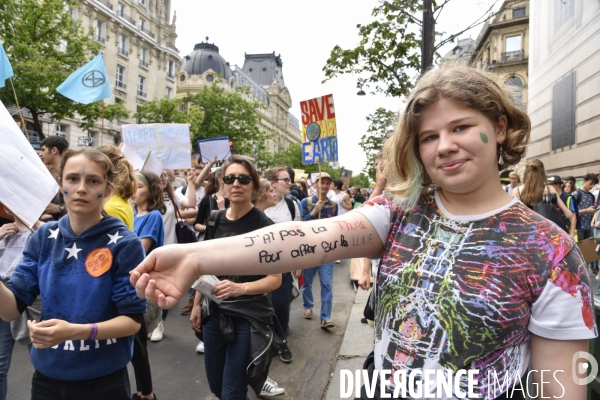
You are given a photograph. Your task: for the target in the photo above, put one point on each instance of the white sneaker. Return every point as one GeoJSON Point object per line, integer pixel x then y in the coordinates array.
{"type": "Point", "coordinates": [158, 333]}
{"type": "Point", "coordinates": [270, 388]}
{"type": "Point", "coordinates": [200, 347]}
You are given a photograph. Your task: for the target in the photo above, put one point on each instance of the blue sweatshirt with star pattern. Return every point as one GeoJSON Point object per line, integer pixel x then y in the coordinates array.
{"type": "Point", "coordinates": [81, 279]}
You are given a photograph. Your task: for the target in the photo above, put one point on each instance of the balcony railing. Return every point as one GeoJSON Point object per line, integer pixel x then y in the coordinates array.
{"type": "Point", "coordinates": [141, 93]}
{"type": "Point", "coordinates": [171, 46]}
{"type": "Point", "coordinates": [144, 63]}
{"type": "Point", "coordinates": [147, 32]}
{"type": "Point", "coordinates": [513, 56]}
{"type": "Point", "coordinates": [126, 17]}
{"type": "Point", "coordinates": [123, 52]}
{"type": "Point", "coordinates": [106, 3]}
{"type": "Point", "coordinates": [120, 84]}
{"type": "Point", "coordinates": [99, 38]}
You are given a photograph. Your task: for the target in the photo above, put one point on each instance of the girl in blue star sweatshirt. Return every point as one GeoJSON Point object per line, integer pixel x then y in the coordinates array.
{"type": "Point", "coordinates": [80, 267]}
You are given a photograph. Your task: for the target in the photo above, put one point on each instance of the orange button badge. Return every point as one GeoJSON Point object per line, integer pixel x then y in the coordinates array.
{"type": "Point", "coordinates": [98, 262]}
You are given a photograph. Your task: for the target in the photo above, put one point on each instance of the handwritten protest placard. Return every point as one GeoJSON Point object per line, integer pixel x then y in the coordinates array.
{"type": "Point", "coordinates": [29, 199]}
{"type": "Point", "coordinates": [319, 132]}
{"type": "Point", "coordinates": [169, 143]}
{"type": "Point", "coordinates": [209, 148]}
{"type": "Point", "coordinates": [346, 176]}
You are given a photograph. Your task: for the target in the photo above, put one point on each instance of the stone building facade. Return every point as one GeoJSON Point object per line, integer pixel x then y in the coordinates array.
{"type": "Point", "coordinates": [564, 88]}
{"type": "Point", "coordinates": [502, 47]}
{"type": "Point", "coordinates": [262, 73]}
{"type": "Point", "coordinates": [138, 42]}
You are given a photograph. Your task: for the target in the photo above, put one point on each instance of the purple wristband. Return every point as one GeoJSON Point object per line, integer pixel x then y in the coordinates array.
{"type": "Point", "coordinates": [93, 332]}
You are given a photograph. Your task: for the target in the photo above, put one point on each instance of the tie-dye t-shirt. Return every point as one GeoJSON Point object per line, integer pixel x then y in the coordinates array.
{"type": "Point", "coordinates": [465, 292]}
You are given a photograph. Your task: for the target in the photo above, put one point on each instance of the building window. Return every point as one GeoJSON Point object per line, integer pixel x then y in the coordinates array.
{"type": "Point", "coordinates": [121, 9]}
{"type": "Point", "coordinates": [515, 85]}
{"type": "Point", "coordinates": [563, 112]}
{"type": "Point", "coordinates": [142, 24]}
{"type": "Point", "coordinates": [171, 69]}
{"type": "Point", "coordinates": [143, 2]}
{"type": "Point", "coordinates": [144, 57]}
{"type": "Point", "coordinates": [61, 130]}
{"type": "Point", "coordinates": [120, 82]}
{"type": "Point", "coordinates": [563, 11]}
{"type": "Point", "coordinates": [141, 87]}
{"type": "Point", "coordinates": [513, 43]}
{"type": "Point", "coordinates": [123, 45]}
{"type": "Point", "coordinates": [99, 30]}
{"type": "Point", "coordinates": [519, 12]}
{"type": "Point", "coordinates": [209, 78]}
{"type": "Point", "coordinates": [168, 92]}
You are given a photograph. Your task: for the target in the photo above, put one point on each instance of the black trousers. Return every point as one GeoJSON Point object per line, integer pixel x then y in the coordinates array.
{"type": "Point", "coordinates": [140, 361]}
{"type": "Point", "coordinates": [281, 299]}
{"type": "Point", "coordinates": [114, 386]}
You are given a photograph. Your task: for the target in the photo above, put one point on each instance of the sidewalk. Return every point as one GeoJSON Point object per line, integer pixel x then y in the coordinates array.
{"type": "Point", "coordinates": [356, 345]}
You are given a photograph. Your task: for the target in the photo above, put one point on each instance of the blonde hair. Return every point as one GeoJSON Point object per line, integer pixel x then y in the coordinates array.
{"type": "Point", "coordinates": [406, 176]}
{"type": "Point", "coordinates": [264, 189]}
{"type": "Point", "coordinates": [125, 185]}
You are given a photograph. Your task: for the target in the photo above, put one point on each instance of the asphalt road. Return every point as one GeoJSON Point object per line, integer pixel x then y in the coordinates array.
{"type": "Point", "coordinates": [178, 372]}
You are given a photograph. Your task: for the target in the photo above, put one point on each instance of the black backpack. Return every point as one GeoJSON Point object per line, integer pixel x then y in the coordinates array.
{"type": "Point", "coordinates": [290, 204]}
{"type": "Point", "coordinates": [548, 208]}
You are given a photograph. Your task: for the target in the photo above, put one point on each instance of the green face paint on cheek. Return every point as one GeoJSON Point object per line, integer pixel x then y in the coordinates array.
{"type": "Point", "coordinates": [483, 137]}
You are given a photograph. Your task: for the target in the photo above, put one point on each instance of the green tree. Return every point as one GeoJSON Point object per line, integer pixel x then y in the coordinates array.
{"type": "Point", "coordinates": [381, 122]}
{"type": "Point", "coordinates": [91, 113]}
{"type": "Point", "coordinates": [231, 114]}
{"type": "Point", "coordinates": [360, 181]}
{"type": "Point", "coordinates": [291, 157]}
{"type": "Point", "coordinates": [44, 45]}
{"type": "Point", "coordinates": [170, 111]}
{"type": "Point", "coordinates": [388, 55]}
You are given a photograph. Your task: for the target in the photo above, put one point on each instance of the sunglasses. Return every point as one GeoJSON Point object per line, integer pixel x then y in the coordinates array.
{"type": "Point", "coordinates": [242, 179]}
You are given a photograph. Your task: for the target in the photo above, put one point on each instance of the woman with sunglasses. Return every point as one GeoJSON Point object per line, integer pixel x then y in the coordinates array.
{"type": "Point", "coordinates": [245, 305]}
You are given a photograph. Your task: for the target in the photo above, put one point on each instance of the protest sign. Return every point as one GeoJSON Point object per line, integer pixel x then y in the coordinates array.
{"type": "Point", "coordinates": [346, 176]}
{"type": "Point", "coordinates": [209, 148]}
{"type": "Point", "coordinates": [129, 153]}
{"type": "Point", "coordinates": [153, 164]}
{"type": "Point", "coordinates": [319, 132]}
{"type": "Point", "coordinates": [27, 200]}
{"type": "Point", "coordinates": [170, 143]}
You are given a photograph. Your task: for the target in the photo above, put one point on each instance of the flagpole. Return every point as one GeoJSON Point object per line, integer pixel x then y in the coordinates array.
{"type": "Point", "coordinates": [20, 113]}
{"type": "Point", "coordinates": [319, 186]}
{"type": "Point", "coordinates": [103, 117]}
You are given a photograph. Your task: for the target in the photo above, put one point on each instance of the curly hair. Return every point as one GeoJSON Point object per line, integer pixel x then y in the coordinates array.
{"type": "Point", "coordinates": [156, 198]}
{"type": "Point", "coordinates": [124, 184]}
{"type": "Point", "coordinates": [465, 86]}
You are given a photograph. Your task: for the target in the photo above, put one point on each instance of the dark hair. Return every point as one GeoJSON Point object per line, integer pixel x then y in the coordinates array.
{"type": "Point", "coordinates": [59, 142]}
{"type": "Point", "coordinates": [591, 177]}
{"type": "Point", "coordinates": [235, 159]}
{"type": "Point", "coordinates": [213, 186]}
{"type": "Point", "coordinates": [569, 179]}
{"type": "Point", "coordinates": [304, 187]}
{"type": "Point", "coordinates": [338, 184]}
{"type": "Point", "coordinates": [156, 198]}
{"type": "Point", "coordinates": [292, 174]}
{"type": "Point", "coordinates": [124, 184]}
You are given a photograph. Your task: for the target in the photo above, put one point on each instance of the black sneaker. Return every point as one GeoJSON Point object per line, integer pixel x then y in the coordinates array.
{"type": "Point", "coordinates": [284, 353]}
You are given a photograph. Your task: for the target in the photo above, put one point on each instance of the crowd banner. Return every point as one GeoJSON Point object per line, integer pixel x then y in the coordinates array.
{"type": "Point", "coordinates": [169, 143]}
{"type": "Point", "coordinates": [346, 176]}
{"type": "Point", "coordinates": [130, 154]}
{"type": "Point", "coordinates": [319, 132]}
{"type": "Point", "coordinates": [209, 148]}
{"type": "Point", "coordinates": [18, 159]}
{"type": "Point", "coordinates": [153, 164]}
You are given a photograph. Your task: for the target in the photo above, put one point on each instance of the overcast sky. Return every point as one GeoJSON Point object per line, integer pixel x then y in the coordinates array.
{"type": "Point", "coordinates": [303, 33]}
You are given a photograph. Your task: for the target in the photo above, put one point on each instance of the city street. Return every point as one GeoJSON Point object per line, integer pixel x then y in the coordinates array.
{"type": "Point", "coordinates": [179, 372]}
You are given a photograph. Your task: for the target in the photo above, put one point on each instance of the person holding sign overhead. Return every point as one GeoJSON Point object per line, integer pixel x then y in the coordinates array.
{"type": "Point", "coordinates": [83, 341]}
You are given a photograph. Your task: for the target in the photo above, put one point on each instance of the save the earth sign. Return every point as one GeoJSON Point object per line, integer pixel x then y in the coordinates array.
{"type": "Point", "coordinates": [319, 133]}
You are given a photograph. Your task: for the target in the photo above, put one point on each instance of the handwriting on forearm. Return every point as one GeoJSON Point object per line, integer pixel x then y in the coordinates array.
{"type": "Point", "coordinates": [319, 229]}
{"type": "Point", "coordinates": [268, 237]}
{"type": "Point", "coordinates": [251, 240]}
{"type": "Point", "coordinates": [361, 241]}
{"type": "Point", "coordinates": [266, 257]}
{"type": "Point", "coordinates": [351, 226]}
{"type": "Point", "coordinates": [329, 246]}
{"type": "Point", "coordinates": [303, 250]}
{"type": "Point", "coordinates": [293, 232]}
{"type": "Point", "coordinates": [343, 241]}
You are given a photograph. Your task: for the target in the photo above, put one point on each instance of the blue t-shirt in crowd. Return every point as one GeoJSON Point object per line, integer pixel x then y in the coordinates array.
{"type": "Point", "coordinates": [150, 226]}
